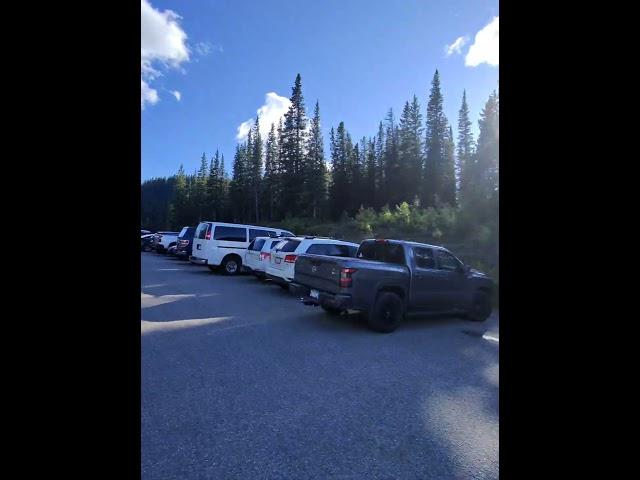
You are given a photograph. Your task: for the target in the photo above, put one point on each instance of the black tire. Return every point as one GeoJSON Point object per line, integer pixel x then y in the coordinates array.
{"type": "Point", "coordinates": [386, 314]}
{"type": "Point", "coordinates": [331, 310]}
{"type": "Point", "coordinates": [231, 265]}
{"type": "Point", "coordinates": [480, 306]}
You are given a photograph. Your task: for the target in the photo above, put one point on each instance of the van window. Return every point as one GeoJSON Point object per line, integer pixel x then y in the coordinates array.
{"type": "Point", "coordinates": [288, 245]}
{"type": "Point", "coordinates": [230, 234]}
{"type": "Point", "coordinates": [183, 231]}
{"type": "Point", "coordinates": [202, 230]}
{"type": "Point", "coordinates": [256, 244]}
{"type": "Point", "coordinates": [254, 232]}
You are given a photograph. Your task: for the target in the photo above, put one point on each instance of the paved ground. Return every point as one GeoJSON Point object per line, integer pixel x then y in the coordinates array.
{"type": "Point", "coordinates": [240, 380]}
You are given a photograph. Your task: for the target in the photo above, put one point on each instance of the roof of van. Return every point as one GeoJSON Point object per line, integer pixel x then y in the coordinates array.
{"type": "Point", "coordinates": [244, 225]}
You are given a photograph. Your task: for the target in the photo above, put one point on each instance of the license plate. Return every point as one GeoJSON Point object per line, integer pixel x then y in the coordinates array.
{"type": "Point", "coordinates": [278, 260]}
{"type": "Point", "coordinates": [314, 294]}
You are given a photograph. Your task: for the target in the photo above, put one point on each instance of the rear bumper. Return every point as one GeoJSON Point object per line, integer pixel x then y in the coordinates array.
{"type": "Point", "coordinates": [198, 261]}
{"type": "Point", "coordinates": [278, 280]}
{"type": "Point", "coordinates": [333, 300]}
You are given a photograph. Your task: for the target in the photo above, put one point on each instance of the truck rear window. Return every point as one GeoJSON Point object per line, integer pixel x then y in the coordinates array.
{"type": "Point", "coordinates": [382, 252]}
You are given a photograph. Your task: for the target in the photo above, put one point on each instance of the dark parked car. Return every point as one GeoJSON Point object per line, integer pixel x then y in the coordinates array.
{"type": "Point", "coordinates": [184, 247]}
{"type": "Point", "coordinates": [146, 242]}
{"type": "Point", "coordinates": [389, 278]}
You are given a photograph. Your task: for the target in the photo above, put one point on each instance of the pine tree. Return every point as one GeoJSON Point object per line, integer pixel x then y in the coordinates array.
{"type": "Point", "coordinates": [293, 154]}
{"type": "Point", "coordinates": [485, 169]}
{"type": "Point", "coordinates": [392, 191]}
{"type": "Point", "coordinates": [238, 189]}
{"type": "Point", "coordinates": [200, 187]}
{"type": "Point", "coordinates": [315, 169]}
{"type": "Point", "coordinates": [380, 168]}
{"type": "Point", "coordinates": [449, 171]}
{"type": "Point", "coordinates": [213, 190]}
{"type": "Point", "coordinates": [436, 132]}
{"type": "Point", "coordinates": [339, 188]}
{"type": "Point", "coordinates": [255, 169]}
{"type": "Point", "coordinates": [181, 200]}
{"type": "Point", "coordinates": [465, 147]}
{"type": "Point", "coordinates": [270, 173]}
{"type": "Point", "coordinates": [370, 181]}
{"type": "Point", "coordinates": [410, 151]}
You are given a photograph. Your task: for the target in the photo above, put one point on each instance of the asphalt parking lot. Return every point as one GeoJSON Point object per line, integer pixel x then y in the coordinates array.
{"type": "Point", "coordinates": [240, 380]}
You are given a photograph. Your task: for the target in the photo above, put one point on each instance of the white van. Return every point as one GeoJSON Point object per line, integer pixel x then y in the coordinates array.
{"type": "Point", "coordinates": [224, 244]}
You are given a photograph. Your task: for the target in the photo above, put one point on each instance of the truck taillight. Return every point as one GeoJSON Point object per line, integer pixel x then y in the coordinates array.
{"type": "Point", "coordinates": [345, 276]}
{"type": "Point", "coordinates": [265, 256]}
{"type": "Point", "coordinates": [290, 258]}
{"type": "Point", "coordinates": [208, 235]}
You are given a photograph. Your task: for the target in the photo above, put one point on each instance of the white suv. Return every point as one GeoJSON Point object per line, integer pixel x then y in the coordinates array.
{"type": "Point", "coordinates": [258, 254]}
{"type": "Point", "coordinates": [282, 261]}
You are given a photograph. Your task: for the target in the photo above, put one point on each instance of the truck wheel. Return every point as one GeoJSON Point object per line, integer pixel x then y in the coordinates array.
{"type": "Point", "coordinates": [480, 306]}
{"type": "Point", "coordinates": [387, 313]}
{"type": "Point", "coordinates": [331, 310]}
{"type": "Point", "coordinates": [231, 265]}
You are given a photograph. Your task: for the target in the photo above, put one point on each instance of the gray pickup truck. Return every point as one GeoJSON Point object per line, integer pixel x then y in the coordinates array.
{"type": "Point", "coordinates": [390, 278]}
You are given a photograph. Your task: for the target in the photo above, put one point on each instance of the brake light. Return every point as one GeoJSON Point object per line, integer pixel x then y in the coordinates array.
{"type": "Point", "coordinates": [380, 240]}
{"type": "Point", "coordinates": [265, 256]}
{"type": "Point", "coordinates": [208, 235]}
{"type": "Point", "coordinates": [345, 276]}
{"type": "Point", "coordinates": [290, 258]}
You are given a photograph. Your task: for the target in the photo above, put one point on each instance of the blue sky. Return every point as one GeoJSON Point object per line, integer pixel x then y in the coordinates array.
{"type": "Point", "coordinates": [358, 58]}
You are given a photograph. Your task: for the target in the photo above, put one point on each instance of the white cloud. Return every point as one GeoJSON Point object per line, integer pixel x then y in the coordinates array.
{"type": "Point", "coordinates": [273, 109]}
{"type": "Point", "coordinates": [147, 94]}
{"type": "Point", "coordinates": [163, 44]}
{"type": "Point", "coordinates": [177, 94]}
{"type": "Point", "coordinates": [485, 46]}
{"type": "Point", "coordinates": [456, 46]}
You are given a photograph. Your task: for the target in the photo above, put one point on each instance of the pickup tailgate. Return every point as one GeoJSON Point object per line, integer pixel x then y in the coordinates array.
{"type": "Point", "coordinates": [319, 271]}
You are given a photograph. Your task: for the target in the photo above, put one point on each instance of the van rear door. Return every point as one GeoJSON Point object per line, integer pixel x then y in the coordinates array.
{"type": "Point", "coordinates": [200, 238]}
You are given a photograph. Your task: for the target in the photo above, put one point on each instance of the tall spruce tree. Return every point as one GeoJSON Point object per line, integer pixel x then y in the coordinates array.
{"type": "Point", "coordinates": [392, 191]}
{"type": "Point", "coordinates": [410, 151]}
{"type": "Point", "coordinates": [200, 189]}
{"type": "Point", "coordinates": [238, 190]}
{"type": "Point", "coordinates": [486, 162]}
{"type": "Point", "coordinates": [436, 132]}
{"type": "Point", "coordinates": [464, 148]}
{"type": "Point", "coordinates": [293, 151]}
{"type": "Point", "coordinates": [449, 194]}
{"type": "Point", "coordinates": [181, 200]}
{"type": "Point", "coordinates": [370, 180]}
{"type": "Point", "coordinates": [380, 167]}
{"type": "Point", "coordinates": [213, 191]}
{"type": "Point", "coordinates": [339, 189]}
{"type": "Point", "coordinates": [315, 188]}
{"type": "Point", "coordinates": [270, 173]}
{"type": "Point", "coordinates": [255, 169]}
